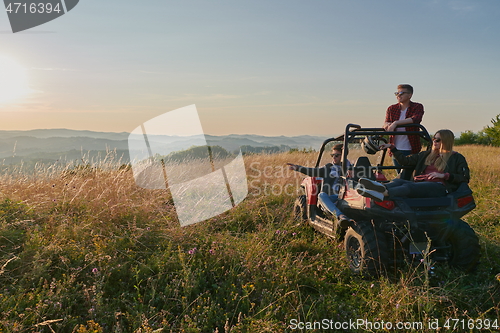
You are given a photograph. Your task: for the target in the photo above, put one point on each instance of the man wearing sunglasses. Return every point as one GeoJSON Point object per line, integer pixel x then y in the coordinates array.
{"type": "Point", "coordinates": [330, 173]}
{"type": "Point", "coordinates": [402, 113]}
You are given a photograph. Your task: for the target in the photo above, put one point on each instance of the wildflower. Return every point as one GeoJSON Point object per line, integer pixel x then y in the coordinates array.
{"type": "Point", "coordinates": [192, 251]}
{"type": "Point", "coordinates": [294, 234]}
{"type": "Point", "coordinates": [95, 270]}
{"type": "Point", "coordinates": [278, 232]}
{"type": "Point", "coordinates": [372, 285]}
{"type": "Point", "coordinates": [397, 306]}
{"type": "Point", "coordinates": [211, 251]}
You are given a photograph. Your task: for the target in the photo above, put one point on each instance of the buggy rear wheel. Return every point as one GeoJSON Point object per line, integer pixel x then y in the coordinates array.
{"type": "Point", "coordinates": [300, 209]}
{"type": "Point", "coordinates": [366, 249]}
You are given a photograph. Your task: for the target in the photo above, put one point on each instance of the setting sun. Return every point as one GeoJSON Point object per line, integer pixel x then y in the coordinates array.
{"type": "Point", "coordinates": [13, 80]}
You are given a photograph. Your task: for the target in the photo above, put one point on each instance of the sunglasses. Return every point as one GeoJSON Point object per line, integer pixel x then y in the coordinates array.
{"type": "Point", "coordinates": [436, 139]}
{"type": "Point", "coordinates": [335, 155]}
{"type": "Point", "coordinates": [400, 93]}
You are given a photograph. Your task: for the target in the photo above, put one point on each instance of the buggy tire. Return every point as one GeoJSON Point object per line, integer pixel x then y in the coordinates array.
{"type": "Point", "coordinates": [465, 248]}
{"type": "Point", "coordinates": [366, 249]}
{"type": "Point", "coordinates": [300, 209]}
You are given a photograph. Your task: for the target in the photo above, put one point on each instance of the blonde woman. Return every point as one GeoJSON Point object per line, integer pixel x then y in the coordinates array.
{"type": "Point", "coordinates": [437, 172]}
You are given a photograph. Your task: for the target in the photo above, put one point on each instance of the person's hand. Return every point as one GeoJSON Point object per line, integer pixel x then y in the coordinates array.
{"type": "Point", "coordinates": [385, 146]}
{"type": "Point", "coordinates": [436, 175]}
{"type": "Point", "coordinates": [293, 167]}
{"type": "Point", "coordinates": [386, 126]}
{"type": "Point", "coordinates": [392, 127]}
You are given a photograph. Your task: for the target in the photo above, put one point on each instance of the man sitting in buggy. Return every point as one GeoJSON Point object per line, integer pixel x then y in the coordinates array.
{"type": "Point", "coordinates": [330, 173]}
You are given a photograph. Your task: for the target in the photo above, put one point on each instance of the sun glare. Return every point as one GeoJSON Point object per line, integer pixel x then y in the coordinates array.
{"type": "Point", "coordinates": [13, 80]}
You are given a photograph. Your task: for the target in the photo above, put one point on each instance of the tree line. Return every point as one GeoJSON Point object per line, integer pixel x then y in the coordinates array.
{"type": "Point", "coordinates": [490, 135]}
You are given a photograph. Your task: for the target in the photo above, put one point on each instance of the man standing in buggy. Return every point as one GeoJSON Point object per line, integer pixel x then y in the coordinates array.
{"type": "Point", "coordinates": [330, 173]}
{"type": "Point", "coordinates": [404, 112]}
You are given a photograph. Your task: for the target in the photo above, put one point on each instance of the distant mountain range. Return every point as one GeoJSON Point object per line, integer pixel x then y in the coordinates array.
{"type": "Point", "coordinates": [46, 145]}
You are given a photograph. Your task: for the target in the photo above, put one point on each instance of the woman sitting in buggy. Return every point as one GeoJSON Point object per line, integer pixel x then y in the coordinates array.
{"type": "Point", "coordinates": [437, 172]}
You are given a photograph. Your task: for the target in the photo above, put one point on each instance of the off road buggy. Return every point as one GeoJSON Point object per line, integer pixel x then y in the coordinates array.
{"type": "Point", "coordinates": [387, 233]}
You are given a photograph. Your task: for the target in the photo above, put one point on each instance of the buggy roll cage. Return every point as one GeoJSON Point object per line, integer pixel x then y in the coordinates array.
{"type": "Point", "coordinates": [358, 133]}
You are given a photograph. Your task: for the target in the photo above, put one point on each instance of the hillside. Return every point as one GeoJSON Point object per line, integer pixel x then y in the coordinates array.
{"type": "Point", "coordinates": [51, 145]}
{"type": "Point", "coordinates": [85, 250]}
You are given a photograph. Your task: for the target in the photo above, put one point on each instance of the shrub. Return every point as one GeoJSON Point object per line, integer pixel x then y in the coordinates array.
{"type": "Point", "coordinates": [490, 135]}
{"type": "Point", "coordinates": [493, 132]}
{"type": "Point", "coordinates": [471, 138]}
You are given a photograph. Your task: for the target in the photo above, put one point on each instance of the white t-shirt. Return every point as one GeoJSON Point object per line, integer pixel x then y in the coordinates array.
{"type": "Point", "coordinates": [401, 141]}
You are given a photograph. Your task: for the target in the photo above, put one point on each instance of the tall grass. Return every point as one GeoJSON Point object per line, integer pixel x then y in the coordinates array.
{"type": "Point", "coordinates": [83, 249]}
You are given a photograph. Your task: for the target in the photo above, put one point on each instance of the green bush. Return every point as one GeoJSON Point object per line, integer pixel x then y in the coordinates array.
{"type": "Point", "coordinates": [493, 132]}
{"type": "Point", "coordinates": [490, 135]}
{"type": "Point", "coordinates": [471, 138]}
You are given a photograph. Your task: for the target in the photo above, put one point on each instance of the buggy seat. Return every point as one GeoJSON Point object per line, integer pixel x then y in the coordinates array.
{"type": "Point", "coordinates": [362, 169]}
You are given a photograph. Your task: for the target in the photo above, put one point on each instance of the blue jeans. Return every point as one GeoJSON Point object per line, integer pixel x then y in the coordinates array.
{"type": "Point", "coordinates": [409, 189]}
{"type": "Point", "coordinates": [330, 203]}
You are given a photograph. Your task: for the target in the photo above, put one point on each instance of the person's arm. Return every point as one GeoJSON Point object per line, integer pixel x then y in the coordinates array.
{"type": "Point", "coordinates": [387, 121]}
{"type": "Point", "coordinates": [393, 125]}
{"type": "Point", "coordinates": [460, 172]}
{"type": "Point", "coordinates": [415, 117]}
{"type": "Point", "coordinates": [311, 172]}
{"type": "Point", "coordinates": [417, 113]}
{"type": "Point", "coordinates": [410, 160]}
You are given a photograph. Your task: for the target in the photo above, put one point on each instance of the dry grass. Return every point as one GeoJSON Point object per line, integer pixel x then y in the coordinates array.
{"type": "Point", "coordinates": [484, 163]}
{"type": "Point", "coordinates": [86, 250]}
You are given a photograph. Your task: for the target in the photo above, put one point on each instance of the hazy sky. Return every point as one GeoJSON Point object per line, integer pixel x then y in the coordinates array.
{"type": "Point", "coordinates": [252, 67]}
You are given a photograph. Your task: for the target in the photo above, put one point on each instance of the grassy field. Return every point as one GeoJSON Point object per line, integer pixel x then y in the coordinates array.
{"type": "Point", "coordinates": [86, 250]}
